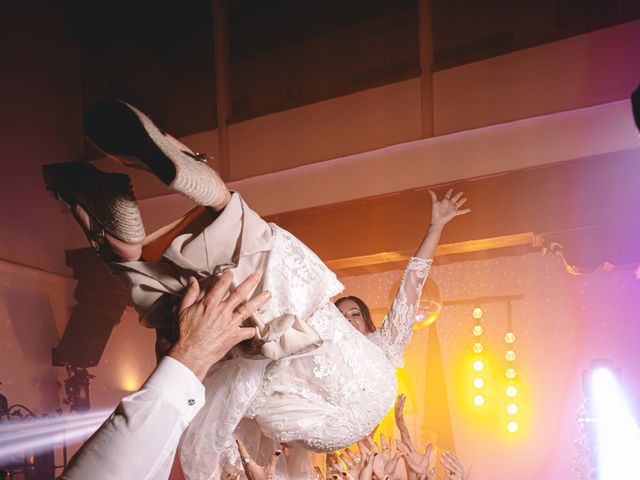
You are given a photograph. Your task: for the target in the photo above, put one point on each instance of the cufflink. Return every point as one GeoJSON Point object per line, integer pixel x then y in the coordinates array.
{"type": "Point", "coordinates": [191, 402]}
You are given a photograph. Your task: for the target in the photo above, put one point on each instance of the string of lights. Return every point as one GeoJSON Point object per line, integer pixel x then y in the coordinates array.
{"type": "Point", "coordinates": [481, 378]}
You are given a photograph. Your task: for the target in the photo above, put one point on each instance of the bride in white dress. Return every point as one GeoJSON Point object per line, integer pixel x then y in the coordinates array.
{"type": "Point", "coordinates": [311, 380]}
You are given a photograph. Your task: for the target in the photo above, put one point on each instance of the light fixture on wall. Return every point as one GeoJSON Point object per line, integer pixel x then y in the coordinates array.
{"type": "Point", "coordinates": [479, 361]}
{"type": "Point", "coordinates": [484, 388]}
{"type": "Point", "coordinates": [511, 374]}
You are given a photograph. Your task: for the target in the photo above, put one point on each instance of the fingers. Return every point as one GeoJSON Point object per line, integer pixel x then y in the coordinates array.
{"type": "Point", "coordinates": [245, 333]}
{"type": "Point", "coordinates": [403, 449]}
{"type": "Point", "coordinates": [461, 202]}
{"type": "Point", "coordinates": [190, 295]}
{"type": "Point", "coordinates": [245, 310]}
{"type": "Point", "coordinates": [218, 289]}
{"type": "Point", "coordinates": [383, 442]}
{"type": "Point", "coordinates": [364, 450]}
{"type": "Point", "coordinates": [432, 474]}
{"type": "Point", "coordinates": [427, 451]}
{"type": "Point", "coordinates": [372, 444]}
{"type": "Point", "coordinates": [456, 197]}
{"type": "Point", "coordinates": [241, 449]}
{"type": "Point", "coordinates": [462, 212]}
{"type": "Point", "coordinates": [319, 475]}
{"type": "Point", "coordinates": [451, 463]}
{"type": "Point", "coordinates": [273, 462]}
{"type": "Point", "coordinates": [245, 459]}
{"type": "Point", "coordinates": [347, 460]}
{"type": "Point", "coordinates": [448, 194]}
{"type": "Point", "coordinates": [434, 197]}
{"type": "Point", "coordinates": [354, 458]}
{"type": "Point", "coordinates": [242, 291]}
{"type": "Point", "coordinates": [334, 462]}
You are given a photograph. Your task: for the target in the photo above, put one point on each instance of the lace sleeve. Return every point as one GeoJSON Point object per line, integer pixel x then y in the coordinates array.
{"type": "Point", "coordinates": [395, 332]}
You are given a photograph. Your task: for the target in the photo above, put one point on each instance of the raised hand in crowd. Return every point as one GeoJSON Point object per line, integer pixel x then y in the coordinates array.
{"type": "Point", "coordinates": [386, 460]}
{"type": "Point", "coordinates": [418, 465]}
{"type": "Point", "coordinates": [364, 472]}
{"type": "Point", "coordinates": [254, 471]}
{"type": "Point", "coordinates": [373, 462]}
{"type": "Point", "coordinates": [351, 463]}
{"type": "Point", "coordinates": [456, 469]}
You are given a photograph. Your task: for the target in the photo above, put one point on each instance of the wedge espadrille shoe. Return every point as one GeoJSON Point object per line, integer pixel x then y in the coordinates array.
{"type": "Point", "coordinates": [107, 198]}
{"type": "Point", "coordinates": [126, 134]}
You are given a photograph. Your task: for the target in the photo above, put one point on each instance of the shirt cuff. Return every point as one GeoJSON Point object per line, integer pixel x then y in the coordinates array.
{"type": "Point", "coordinates": [178, 385]}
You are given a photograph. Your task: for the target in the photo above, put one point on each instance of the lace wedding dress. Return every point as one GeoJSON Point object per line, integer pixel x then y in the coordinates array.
{"type": "Point", "coordinates": [316, 384]}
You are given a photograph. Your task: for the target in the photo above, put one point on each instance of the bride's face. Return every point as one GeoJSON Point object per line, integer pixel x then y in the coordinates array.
{"type": "Point", "coordinates": [351, 312]}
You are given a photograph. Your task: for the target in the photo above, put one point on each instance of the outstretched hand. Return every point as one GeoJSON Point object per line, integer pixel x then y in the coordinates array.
{"type": "Point", "coordinates": [456, 469]}
{"type": "Point", "coordinates": [400, 423]}
{"type": "Point", "coordinates": [254, 471]}
{"type": "Point", "coordinates": [418, 465]}
{"type": "Point", "coordinates": [443, 211]}
{"type": "Point", "coordinates": [209, 328]}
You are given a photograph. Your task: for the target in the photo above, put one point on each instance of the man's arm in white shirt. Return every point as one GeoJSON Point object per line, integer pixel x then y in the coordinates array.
{"type": "Point", "coordinates": [140, 438]}
{"type": "Point", "coordinates": [138, 441]}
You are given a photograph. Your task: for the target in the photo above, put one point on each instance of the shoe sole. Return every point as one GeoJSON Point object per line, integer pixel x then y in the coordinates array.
{"type": "Point", "coordinates": [70, 183]}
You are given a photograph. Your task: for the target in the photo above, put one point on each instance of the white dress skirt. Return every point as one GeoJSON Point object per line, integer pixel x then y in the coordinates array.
{"type": "Point", "coordinates": [312, 381]}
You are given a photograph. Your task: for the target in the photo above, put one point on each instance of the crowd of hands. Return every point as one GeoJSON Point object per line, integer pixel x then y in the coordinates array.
{"type": "Point", "coordinates": [385, 460]}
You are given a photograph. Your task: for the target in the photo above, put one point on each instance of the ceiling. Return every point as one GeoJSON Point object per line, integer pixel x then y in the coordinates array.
{"type": "Point", "coordinates": [283, 54]}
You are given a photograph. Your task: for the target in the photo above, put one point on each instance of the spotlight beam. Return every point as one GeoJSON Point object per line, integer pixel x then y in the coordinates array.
{"type": "Point", "coordinates": [43, 433]}
{"type": "Point", "coordinates": [617, 430]}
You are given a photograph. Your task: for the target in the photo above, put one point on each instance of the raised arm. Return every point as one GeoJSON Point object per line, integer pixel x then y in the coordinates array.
{"type": "Point", "coordinates": [395, 332]}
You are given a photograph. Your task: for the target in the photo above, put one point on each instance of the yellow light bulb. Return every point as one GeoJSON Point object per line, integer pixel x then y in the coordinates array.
{"type": "Point", "coordinates": [510, 373]}
{"type": "Point", "coordinates": [510, 356]}
{"type": "Point", "coordinates": [513, 426]}
{"type": "Point", "coordinates": [477, 330]}
{"type": "Point", "coordinates": [478, 365]}
{"type": "Point", "coordinates": [478, 382]}
{"type": "Point", "coordinates": [511, 391]}
{"type": "Point", "coordinates": [478, 400]}
{"type": "Point", "coordinates": [509, 337]}
{"type": "Point", "coordinates": [478, 347]}
{"type": "Point", "coordinates": [477, 313]}
{"type": "Point", "coordinates": [512, 409]}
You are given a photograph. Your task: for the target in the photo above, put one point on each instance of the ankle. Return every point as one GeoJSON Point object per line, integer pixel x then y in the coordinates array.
{"type": "Point", "coordinates": [124, 252]}
{"type": "Point", "coordinates": [220, 204]}
{"type": "Point", "coordinates": [110, 248]}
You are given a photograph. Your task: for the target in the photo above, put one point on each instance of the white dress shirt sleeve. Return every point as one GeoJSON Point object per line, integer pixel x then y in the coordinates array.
{"type": "Point", "coordinates": [140, 438]}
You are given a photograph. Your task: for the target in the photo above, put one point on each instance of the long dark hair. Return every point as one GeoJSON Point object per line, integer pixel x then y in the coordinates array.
{"type": "Point", "coordinates": [366, 315]}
